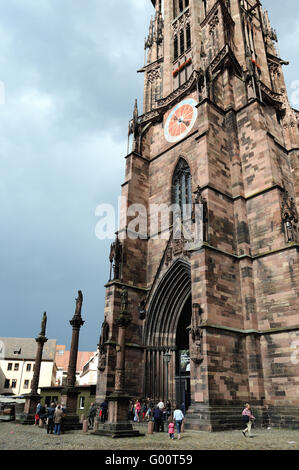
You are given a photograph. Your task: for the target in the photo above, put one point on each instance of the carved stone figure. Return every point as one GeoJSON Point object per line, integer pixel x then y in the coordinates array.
{"type": "Point", "coordinates": [79, 302]}
{"type": "Point", "coordinates": [196, 351]}
{"type": "Point", "coordinates": [124, 300]}
{"type": "Point", "coordinates": [43, 325]}
{"type": "Point", "coordinates": [102, 361]}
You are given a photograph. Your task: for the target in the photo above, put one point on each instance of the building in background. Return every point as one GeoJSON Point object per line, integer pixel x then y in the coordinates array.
{"type": "Point", "coordinates": [62, 361]}
{"type": "Point", "coordinates": [17, 365]}
{"type": "Point", "coordinates": [88, 375]}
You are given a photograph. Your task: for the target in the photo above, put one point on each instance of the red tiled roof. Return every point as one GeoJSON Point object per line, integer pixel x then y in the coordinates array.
{"type": "Point", "coordinates": [62, 360]}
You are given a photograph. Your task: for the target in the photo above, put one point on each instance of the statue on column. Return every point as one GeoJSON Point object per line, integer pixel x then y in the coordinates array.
{"type": "Point", "coordinates": [124, 318]}
{"type": "Point", "coordinates": [79, 301]}
{"type": "Point", "coordinates": [102, 347]}
{"type": "Point", "coordinates": [200, 200]}
{"type": "Point", "coordinates": [43, 325]}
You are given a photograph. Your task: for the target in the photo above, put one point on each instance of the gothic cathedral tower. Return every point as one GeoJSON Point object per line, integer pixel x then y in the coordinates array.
{"type": "Point", "coordinates": [213, 323]}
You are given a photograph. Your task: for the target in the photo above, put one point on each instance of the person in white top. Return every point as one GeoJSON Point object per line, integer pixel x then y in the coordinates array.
{"type": "Point", "coordinates": [178, 418]}
{"type": "Point", "coordinates": [161, 405]}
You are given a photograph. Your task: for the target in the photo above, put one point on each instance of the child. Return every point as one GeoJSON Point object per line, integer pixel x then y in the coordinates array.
{"type": "Point", "coordinates": [171, 428]}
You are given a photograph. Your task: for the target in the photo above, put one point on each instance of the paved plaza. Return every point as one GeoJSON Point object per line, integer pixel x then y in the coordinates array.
{"type": "Point", "coordinates": [18, 437]}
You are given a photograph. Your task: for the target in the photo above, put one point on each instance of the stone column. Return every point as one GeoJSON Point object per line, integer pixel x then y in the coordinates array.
{"type": "Point", "coordinates": [69, 394]}
{"type": "Point", "coordinates": [118, 424]}
{"type": "Point", "coordinates": [33, 398]}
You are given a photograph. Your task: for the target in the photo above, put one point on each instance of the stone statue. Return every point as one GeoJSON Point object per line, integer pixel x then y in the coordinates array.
{"type": "Point", "coordinates": [290, 234]}
{"type": "Point", "coordinates": [102, 361]}
{"type": "Point", "coordinates": [124, 300]}
{"type": "Point", "coordinates": [79, 301]}
{"type": "Point", "coordinates": [43, 325]}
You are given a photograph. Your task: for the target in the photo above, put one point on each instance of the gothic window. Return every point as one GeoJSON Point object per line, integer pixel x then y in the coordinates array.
{"type": "Point", "coordinates": [188, 36]}
{"type": "Point", "coordinates": [176, 48]}
{"type": "Point", "coordinates": [179, 6]}
{"type": "Point", "coordinates": [182, 187]}
{"type": "Point", "coordinates": [182, 42]}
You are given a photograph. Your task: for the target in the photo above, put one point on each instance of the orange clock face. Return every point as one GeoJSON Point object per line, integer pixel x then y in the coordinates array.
{"type": "Point", "coordinates": [180, 120]}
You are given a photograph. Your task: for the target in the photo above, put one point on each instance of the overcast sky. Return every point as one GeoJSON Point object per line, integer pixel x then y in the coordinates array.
{"type": "Point", "coordinates": [69, 71]}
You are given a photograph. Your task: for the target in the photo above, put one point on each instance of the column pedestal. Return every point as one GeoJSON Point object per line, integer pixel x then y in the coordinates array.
{"type": "Point", "coordinates": [28, 416]}
{"type": "Point", "coordinates": [69, 397]}
{"type": "Point", "coordinates": [118, 424]}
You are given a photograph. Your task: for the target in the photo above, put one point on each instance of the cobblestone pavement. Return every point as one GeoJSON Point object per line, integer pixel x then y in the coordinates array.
{"type": "Point", "coordinates": [18, 437]}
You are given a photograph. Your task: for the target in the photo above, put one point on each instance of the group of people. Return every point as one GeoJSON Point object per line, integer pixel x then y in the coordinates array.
{"type": "Point", "coordinates": [53, 416]}
{"type": "Point", "coordinates": [160, 414]}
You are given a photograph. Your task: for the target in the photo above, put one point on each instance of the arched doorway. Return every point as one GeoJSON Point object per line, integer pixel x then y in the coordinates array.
{"type": "Point", "coordinates": [168, 317]}
{"type": "Point", "coordinates": [182, 366]}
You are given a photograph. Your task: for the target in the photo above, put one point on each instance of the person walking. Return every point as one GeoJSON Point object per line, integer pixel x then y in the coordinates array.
{"type": "Point", "coordinates": [248, 419]}
{"type": "Point", "coordinates": [144, 411]}
{"type": "Point", "coordinates": [178, 418]}
{"type": "Point", "coordinates": [57, 420]}
{"type": "Point", "coordinates": [91, 415]}
{"type": "Point", "coordinates": [171, 428]}
{"type": "Point", "coordinates": [168, 409]}
{"type": "Point", "coordinates": [157, 419]}
{"type": "Point", "coordinates": [137, 411]}
{"type": "Point", "coordinates": [50, 418]}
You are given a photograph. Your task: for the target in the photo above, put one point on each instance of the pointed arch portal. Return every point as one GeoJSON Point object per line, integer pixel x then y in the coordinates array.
{"type": "Point", "coordinates": [166, 328]}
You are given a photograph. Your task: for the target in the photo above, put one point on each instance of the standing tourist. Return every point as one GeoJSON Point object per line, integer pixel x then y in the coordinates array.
{"type": "Point", "coordinates": [144, 411]}
{"type": "Point", "coordinates": [168, 409]}
{"type": "Point", "coordinates": [178, 418]}
{"type": "Point", "coordinates": [137, 411]}
{"type": "Point", "coordinates": [104, 410]}
{"type": "Point", "coordinates": [50, 418]}
{"type": "Point", "coordinates": [248, 419]}
{"type": "Point", "coordinates": [37, 414]}
{"type": "Point", "coordinates": [91, 415]}
{"type": "Point", "coordinates": [57, 420]}
{"type": "Point", "coordinates": [157, 419]}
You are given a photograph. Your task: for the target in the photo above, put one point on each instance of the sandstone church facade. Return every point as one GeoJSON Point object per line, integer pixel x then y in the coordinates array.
{"type": "Point", "coordinates": [216, 129]}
